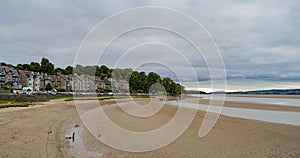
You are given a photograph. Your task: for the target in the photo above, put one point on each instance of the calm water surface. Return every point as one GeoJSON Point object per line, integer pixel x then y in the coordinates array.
{"type": "Point", "coordinates": [275, 101]}
{"type": "Point", "coordinates": [292, 118]}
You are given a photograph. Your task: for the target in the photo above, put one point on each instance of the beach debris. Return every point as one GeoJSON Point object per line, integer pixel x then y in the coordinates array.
{"type": "Point", "coordinates": [76, 125]}
{"type": "Point", "coordinates": [78, 146]}
{"type": "Point", "coordinates": [71, 137]}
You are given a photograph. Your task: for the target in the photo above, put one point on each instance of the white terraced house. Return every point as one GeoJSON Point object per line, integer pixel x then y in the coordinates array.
{"type": "Point", "coordinates": [9, 77]}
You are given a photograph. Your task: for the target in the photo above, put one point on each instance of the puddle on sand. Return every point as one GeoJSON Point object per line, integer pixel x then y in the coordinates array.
{"type": "Point", "coordinates": [77, 146]}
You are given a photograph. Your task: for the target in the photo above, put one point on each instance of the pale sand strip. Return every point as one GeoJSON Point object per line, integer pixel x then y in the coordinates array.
{"type": "Point", "coordinates": [264, 96]}
{"type": "Point", "coordinates": [247, 105]}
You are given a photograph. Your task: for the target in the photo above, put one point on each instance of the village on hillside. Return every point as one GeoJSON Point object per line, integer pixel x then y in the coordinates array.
{"type": "Point", "coordinates": [44, 77]}
{"type": "Point", "coordinates": [39, 81]}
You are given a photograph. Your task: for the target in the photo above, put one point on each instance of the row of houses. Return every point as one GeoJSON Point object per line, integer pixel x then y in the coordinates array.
{"type": "Point", "coordinates": [37, 81]}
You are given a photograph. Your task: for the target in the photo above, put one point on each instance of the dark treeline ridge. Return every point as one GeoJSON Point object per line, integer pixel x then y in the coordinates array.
{"type": "Point", "coordinates": [139, 82]}
{"type": "Point", "coordinates": [194, 92]}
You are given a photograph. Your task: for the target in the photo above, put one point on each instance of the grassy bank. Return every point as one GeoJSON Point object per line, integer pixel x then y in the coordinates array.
{"type": "Point", "coordinates": [26, 98]}
{"type": "Point", "coordinates": [6, 104]}
{"type": "Point", "coordinates": [61, 98]}
{"type": "Point", "coordinates": [70, 98]}
{"type": "Point", "coordinates": [95, 98]}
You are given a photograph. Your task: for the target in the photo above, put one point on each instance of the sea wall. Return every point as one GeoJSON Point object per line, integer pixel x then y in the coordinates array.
{"type": "Point", "coordinates": [26, 98]}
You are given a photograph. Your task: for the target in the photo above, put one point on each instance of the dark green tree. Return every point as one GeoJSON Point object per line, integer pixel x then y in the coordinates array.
{"type": "Point", "coordinates": [47, 66]}
{"type": "Point", "coordinates": [48, 87]}
{"type": "Point", "coordinates": [98, 72]}
{"type": "Point", "coordinates": [59, 70]}
{"type": "Point", "coordinates": [35, 66]}
{"type": "Point", "coordinates": [69, 70]}
{"type": "Point", "coordinates": [142, 81]}
{"type": "Point", "coordinates": [19, 67]}
{"type": "Point", "coordinates": [2, 64]}
{"type": "Point", "coordinates": [170, 86]}
{"type": "Point", "coordinates": [151, 78]}
{"type": "Point", "coordinates": [103, 72]}
{"type": "Point", "coordinates": [135, 82]}
{"type": "Point", "coordinates": [109, 73]}
{"type": "Point", "coordinates": [24, 67]}
{"type": "Point", "coordinates": [104, 69]}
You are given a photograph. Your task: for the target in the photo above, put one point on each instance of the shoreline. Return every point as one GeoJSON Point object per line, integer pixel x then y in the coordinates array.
{"type": "Point", "coordinates": [287, 96]}
{"type": "Point", "coordinates": [248, 105]}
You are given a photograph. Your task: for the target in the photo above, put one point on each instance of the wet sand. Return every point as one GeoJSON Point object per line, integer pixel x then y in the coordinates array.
{"type": "Point", "coordinates": [247, 105]}
{"type": "Point", "coordinates": [41, 131]}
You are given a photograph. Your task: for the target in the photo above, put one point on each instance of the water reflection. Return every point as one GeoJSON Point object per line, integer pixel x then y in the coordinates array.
{"type": "Point", "coordinates": [77, 146]}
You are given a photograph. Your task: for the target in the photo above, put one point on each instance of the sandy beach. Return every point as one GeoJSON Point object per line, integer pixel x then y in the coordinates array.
{"type": "Point", "coordinates": [40, 131]}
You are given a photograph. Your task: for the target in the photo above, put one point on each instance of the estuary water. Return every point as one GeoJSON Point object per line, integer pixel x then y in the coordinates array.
{"type": "Point", "coordinates": [292, 118]}
{"type": "Point", "coordinates": [274, 101]}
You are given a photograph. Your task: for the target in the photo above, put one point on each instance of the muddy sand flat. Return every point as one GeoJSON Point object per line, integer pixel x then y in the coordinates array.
{"type": "Point", "coordinates": [40, 131]}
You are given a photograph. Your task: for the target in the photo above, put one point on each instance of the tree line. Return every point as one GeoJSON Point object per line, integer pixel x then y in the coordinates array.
{"type": "Point", "coordinates": [48, 67]}
{"type": "Point", "coordinates": [139, 82]}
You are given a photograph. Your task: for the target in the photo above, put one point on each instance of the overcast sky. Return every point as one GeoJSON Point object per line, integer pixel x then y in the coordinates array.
{"type": "Point", "coordinates": [258, 40]}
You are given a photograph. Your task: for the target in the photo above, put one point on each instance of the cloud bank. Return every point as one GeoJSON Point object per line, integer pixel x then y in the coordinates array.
{"type": "Point", "coordinates": [257, 39]}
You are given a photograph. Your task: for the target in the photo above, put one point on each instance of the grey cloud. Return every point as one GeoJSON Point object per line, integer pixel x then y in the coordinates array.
{"type": "Point", "coordinates": [258, 39]}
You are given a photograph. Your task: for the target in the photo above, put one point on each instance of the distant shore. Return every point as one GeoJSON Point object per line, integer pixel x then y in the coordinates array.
{"type": "Point", "coordinates": [249, 105]}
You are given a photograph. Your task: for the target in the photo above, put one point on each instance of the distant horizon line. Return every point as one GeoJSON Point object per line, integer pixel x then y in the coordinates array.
{"type": "Point", "coordinates": [254, 90]}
